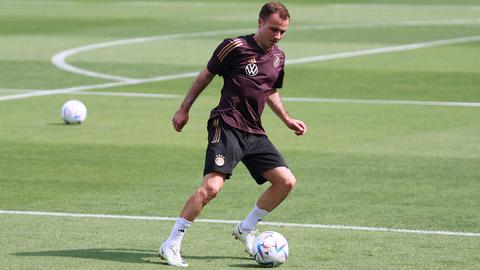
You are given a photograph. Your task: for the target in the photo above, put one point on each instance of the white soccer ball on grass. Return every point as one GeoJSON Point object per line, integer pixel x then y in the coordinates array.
{"type": "Point", "coordinates": [270, 249]}
{"type": "Point", "coordinates": [73, 112]}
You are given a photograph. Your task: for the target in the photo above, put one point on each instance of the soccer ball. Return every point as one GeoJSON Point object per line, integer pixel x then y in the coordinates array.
{"type": "Point", "coordinates": [270, 249]}
{"type": "Point", "coordinates": [73, 112]}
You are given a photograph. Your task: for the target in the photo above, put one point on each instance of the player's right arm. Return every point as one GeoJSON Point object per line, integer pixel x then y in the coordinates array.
{"type": "Point", "coordinates": [180, 118]}
{"type": "Point", "coordinates": [218, 64]}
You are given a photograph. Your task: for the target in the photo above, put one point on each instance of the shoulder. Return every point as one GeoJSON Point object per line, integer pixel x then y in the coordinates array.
{"type": "Point", "coordinates": [228, 46]}
{"type": "Point", "coordinates": [233, 42]}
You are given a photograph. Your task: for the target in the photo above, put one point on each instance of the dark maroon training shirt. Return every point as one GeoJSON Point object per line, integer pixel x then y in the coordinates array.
{"type": "Point", "coordinates": [249, 74]}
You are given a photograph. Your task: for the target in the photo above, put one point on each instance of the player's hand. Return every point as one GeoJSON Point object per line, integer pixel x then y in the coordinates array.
{"type": "Point", "coordinates": [298, 126]}
{"type": "Point", "coordinates": [180, 119]}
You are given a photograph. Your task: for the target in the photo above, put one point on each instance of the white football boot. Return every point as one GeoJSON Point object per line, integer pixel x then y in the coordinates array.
{"type": "Point", "coordinates": [172, 255]}
{"type": "Point", "coordinates": [247, 238]}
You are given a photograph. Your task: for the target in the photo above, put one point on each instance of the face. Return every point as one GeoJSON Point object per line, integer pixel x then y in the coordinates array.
{"type": "Point", "coordinates": [271, 30]}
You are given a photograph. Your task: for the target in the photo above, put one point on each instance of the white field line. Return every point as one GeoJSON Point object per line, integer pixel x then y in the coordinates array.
{"type": "Point", "coordinates": [295, 61]}
{"type": "Point", "coordinates": [3, 90]}
{"type": "Point", "coordinates": [312, 100]}
{"type": "Point", "coordinates": [96, 86]}
{"type": "Point", "coordinates": [384, 102]}
{"type": "Point", "coordinates": [125, 94]}
{"type": "Point", "coordinates": [63, 91]}
{"type": "Point", "coordinates": [405, 6]}
{"type": "Point", "coordinates": [221, 221]}
{"type": "Point", "coordinates": [59, 59]}
{"type": "Point", "coordinates": [387, 24]}
{"type": "Point", "coordinates": [398, 48]}
{"type": "Point", "coordinates": [35, 2]}
{"type": "Point", "coordinates": [147, 3]}
{"type": "Point", "coordinates": [288, 99]}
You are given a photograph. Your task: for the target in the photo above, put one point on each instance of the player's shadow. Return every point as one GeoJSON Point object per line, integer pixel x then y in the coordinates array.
{"type": "Point", "coordinates": [186, 257]}
{"type": "Point", "coordinates": [118, 255]}
{"type": "Point", "coordinates": [60, 124]}
{"type": "Point", "coordinates": [244, 265]}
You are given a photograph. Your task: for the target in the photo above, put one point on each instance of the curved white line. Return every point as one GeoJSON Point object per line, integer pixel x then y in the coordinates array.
{"type": "Point", "coordinates": [294, 61]}
{"type": "Point", "coordinates": [59, 59]}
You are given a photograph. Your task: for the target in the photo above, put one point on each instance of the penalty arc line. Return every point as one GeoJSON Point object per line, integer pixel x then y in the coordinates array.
{"type": "Point", "coordinates": [221, 221]}
{"type": "Point", "coordinates": [305, 60]}
{"type": "Point", "coordinates": [59, 59]}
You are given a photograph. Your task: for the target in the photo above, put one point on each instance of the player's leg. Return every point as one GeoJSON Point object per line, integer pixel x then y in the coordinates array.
{"type": "Point", "coordinates": [282, 182]}
{"type": "Point", "coordinates": [222, 154]}
{"type": "Point", "coordinates": [212, 184]}
{"type": "Point", "coordinates": [265, 164]}
{"type": "Point", "coordinates": [170, 249]}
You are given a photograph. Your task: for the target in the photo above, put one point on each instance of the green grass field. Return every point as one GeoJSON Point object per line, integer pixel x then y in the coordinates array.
{"type": "Point", "coordinates": [364, 162]}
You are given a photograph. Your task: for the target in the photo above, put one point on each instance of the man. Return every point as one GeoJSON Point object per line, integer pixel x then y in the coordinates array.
{"type": "Point", "coordinates": [252, 69]}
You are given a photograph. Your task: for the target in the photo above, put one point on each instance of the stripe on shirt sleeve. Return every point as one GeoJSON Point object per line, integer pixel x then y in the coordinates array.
{"type": "Point", "coordinates": [228, 48]}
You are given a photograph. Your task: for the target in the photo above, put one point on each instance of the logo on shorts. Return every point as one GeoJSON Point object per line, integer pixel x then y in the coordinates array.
{"type": "Point", "coordinates": [251, 69]}
{"type": "Point", "coordinates": [219, 160]}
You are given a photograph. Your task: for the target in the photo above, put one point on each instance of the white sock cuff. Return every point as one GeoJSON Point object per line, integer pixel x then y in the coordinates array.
{"type": "Point", "coordinates": [260, 212]}
{"type": "Point", "coordinates": [183, 222]}
{"type": "Point", "coordinates": [255, 216]}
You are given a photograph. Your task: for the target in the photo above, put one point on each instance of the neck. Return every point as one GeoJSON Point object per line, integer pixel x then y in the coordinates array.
{"type": "Point", "coordinates": [257, 40]}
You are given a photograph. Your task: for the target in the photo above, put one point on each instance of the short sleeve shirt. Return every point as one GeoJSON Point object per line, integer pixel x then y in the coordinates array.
{"type": "Point", "coordinates": [249, 74]}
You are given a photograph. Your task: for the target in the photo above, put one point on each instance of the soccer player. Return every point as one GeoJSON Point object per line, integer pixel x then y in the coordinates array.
{"type": "Point", "coordinates": [252, 68]}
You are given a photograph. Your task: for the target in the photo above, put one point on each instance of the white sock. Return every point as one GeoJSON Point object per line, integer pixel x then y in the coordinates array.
{"type": "Point", "coordinates": [178, 230]}
{"type": "Point", "coordinates": [253, 218]}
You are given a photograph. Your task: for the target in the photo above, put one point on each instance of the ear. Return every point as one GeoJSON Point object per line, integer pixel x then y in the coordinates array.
{"type": "Point", "coordinates": [260, 21]}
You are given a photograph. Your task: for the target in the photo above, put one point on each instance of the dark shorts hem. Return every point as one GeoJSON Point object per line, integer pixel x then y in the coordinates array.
{"type": "Point", "coordinates": [259, 179]}
{"type": "Point", "coordinates": [227, 174]}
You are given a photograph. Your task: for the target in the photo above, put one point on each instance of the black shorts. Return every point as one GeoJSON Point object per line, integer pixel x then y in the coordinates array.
{"type": "Point", "coordinates": [227, 146]}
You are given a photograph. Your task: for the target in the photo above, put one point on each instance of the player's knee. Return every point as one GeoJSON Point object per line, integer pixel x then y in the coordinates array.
{"type": "Point", "coordinates": [212, 192]}
{"type": "Point", "coordinates": [209, 192]}
{"type": "Point", "coordinates": [289, 182]}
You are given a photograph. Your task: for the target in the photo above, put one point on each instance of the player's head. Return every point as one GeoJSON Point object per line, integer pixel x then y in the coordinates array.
{"type": "Point", "coordinates": [273, 22]}
{"type": "Point", "coordinates": [274, 7]}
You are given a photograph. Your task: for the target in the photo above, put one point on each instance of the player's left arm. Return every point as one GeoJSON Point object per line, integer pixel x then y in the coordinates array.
{"type": "Point", "coordinates": [275, 102]}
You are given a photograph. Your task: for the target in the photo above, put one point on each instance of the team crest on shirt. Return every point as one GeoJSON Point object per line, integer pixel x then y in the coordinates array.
{"type": "Point", "coordinates": [276, 60]}
{"type": "Point", "coordinates": [219, 160]}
